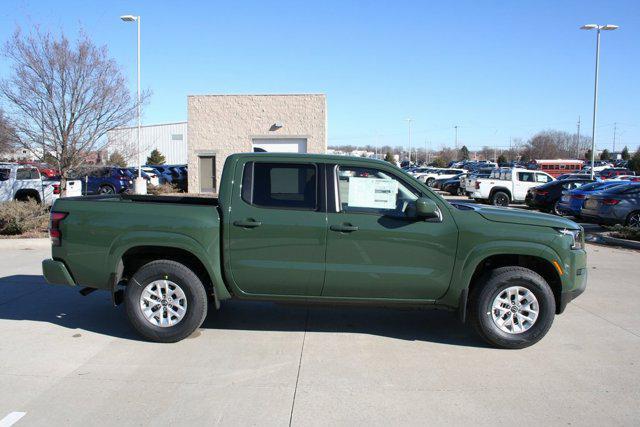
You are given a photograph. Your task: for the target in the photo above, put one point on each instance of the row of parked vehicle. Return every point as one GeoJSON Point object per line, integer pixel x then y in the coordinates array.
{"type": "Point", "coordinates": [114, 180]}
{"type": "Point", "coordinates": [614, 201]}
{"type": "Point", "coordinates": [41, 182]}
{"type": "Point", "coordinates": [611, 197]}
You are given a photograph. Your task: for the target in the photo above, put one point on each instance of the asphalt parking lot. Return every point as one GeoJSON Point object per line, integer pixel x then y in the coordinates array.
{"type": "Point", "coordinates": [73, 360]}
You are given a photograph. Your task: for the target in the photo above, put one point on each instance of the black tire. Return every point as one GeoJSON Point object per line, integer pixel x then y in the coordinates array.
{"type": "Point", "coordinates": [106, 189]}
{"type": "Point", "coordinates": [187, 280]}
{"type": "Point", "coordinates": [633, 219]}
{"type": "Point", "coordinates": [494, 283]}
{"type": "Point", "coordinates": [500, 198]}
{"type": "Point", "coordinates": [429, 182]}
{"type": "Point", "coordinates": [555, 209]}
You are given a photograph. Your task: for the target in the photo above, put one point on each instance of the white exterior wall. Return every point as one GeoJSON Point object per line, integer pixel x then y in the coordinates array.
{"type": "Point", "coordinates": [159, 136]}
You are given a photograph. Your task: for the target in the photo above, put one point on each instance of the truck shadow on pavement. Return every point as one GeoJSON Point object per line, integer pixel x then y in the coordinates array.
{"type": "Point", "coordinates": [29, 298]}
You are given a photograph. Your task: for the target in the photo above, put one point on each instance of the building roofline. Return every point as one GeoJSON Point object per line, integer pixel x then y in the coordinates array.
{"type": "Point", "coordinates": [259, 94]}
{"type": "Point", "coordinates": [147, 126]}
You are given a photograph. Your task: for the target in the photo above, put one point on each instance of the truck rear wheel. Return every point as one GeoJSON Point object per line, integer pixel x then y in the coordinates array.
{"type": "Point", "coordinates": [513, 307]}
{"type": "Point", "coordinates": [500, 198]}
{"type": "Point", "coordinates": [165, 301]}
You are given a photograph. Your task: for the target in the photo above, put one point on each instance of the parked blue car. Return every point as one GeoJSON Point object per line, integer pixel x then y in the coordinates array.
{"type": "Point", "coordinates": [572, 200]}
{"type": "Point", "coordinates": [617, 205]}
{"type": "Point", "coordinates": [103, 180]}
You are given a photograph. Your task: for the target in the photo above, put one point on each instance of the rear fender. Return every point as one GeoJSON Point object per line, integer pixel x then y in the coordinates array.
{"type": "Point", "coordinates": [208, 256]}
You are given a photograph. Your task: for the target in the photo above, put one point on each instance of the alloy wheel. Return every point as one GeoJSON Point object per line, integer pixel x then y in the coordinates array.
{"type": "Point", "coordinates": [634, 220]}
{"type": "Point", "coordinates": [163, 303]}
{"type": "Point", "coordinates": [515, 310]}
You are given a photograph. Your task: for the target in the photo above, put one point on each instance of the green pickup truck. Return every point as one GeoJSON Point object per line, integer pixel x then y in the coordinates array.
{"type": "Point", "coordinates": [318, 229]}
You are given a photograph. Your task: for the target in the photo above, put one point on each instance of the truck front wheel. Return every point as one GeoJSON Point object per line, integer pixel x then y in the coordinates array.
{"type": "Point", "coordinates": [512, 308]}
{"type": "Point", "coordinates": [165, 301]}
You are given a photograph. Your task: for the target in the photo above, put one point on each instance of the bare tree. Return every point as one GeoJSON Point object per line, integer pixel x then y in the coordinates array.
{"type": "Point", "coordinates": [554, 144]}
{"type": "Point", "coordinates": [7, 139]}
{"type": "Point", "coordinates": [63, 97]}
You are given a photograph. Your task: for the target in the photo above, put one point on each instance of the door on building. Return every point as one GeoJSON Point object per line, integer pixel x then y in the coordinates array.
{"type": "Point", "coordinates": [280, 145]}
{"type": "Point", "coordinates": [207, 174]}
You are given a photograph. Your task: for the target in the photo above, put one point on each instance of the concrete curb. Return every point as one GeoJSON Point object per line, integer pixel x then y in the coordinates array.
{"type": "Point", "coordinates": [612, 241]}
{"type": "Point", "coordinates": [24, 243]}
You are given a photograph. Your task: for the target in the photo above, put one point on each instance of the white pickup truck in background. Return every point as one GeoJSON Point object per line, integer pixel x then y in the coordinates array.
{"type": "Point", "coordinates": [507, 185]}
{"type": "Point", "coordinates": [24, 182]}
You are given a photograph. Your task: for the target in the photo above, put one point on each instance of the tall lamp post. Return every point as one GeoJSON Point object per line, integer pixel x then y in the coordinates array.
{"type": "Point", "coordinates": [409, 120]}
{"type": "Point", "coordinates": [598, 28]}
{"type": "Point", "coordinates": [140, 186]}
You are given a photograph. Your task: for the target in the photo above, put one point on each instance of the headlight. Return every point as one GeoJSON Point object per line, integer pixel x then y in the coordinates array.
{"type": "Point", "coordinates": [576, 236]}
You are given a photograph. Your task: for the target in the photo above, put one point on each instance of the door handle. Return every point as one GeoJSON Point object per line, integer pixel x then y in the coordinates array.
{"type": "Point", "coordinates": [344, 228]}
{"type": "Point", "coordinates": [247, 223]}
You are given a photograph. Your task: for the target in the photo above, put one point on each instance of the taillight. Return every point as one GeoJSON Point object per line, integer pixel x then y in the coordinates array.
{"type": "Point", "coordinates": [578, 196]}
{"type": "Point", "coordinates": [56, 188]}
{"type": "Point", "coordinates": [541, 192]}
{"type": "Point", "coordinates": [610, 202]}
{"type": "Point", "coordinates": [54, 227]}
{"type": "Point", "coordinates": [477, 185]}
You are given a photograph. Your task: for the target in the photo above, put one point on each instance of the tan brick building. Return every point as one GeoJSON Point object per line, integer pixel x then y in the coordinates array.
{"type": "Point", "coordinates": [220, 125]}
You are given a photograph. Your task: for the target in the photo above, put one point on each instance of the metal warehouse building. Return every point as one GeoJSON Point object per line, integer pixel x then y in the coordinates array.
{"type": "Point", "coordinates": [169, 138]}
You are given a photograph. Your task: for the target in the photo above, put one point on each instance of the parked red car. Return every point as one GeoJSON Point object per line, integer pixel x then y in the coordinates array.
{"type": "Point", "coordinates": [45, 169]}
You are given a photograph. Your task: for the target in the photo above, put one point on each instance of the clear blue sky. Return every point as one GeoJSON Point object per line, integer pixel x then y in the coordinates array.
{"type": "Point", "coordinates": [498, 69]}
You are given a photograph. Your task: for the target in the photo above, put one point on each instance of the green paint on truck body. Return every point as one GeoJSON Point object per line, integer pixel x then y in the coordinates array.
{"type": "Point", "coordinates": [294, 254]}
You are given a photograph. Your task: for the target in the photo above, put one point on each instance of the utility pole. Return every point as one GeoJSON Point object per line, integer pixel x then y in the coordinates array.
{"type": "Point", "coordinates": [578, 144]}
{"type": "Point", "coordinates": [456, 140]}
{"type": "Point", "coordinates": [426, 152]}
{"type": "Point", "coordinates": [615, 128]}
{"type": "Point", "coordinates": [409, 120]}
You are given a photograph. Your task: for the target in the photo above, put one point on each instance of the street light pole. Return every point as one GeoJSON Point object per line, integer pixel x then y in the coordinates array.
{"type": "Point", "coordinates": [598, 28]}
{"type": "Point", "coordinates": [409, 120]}
{"type": "Point", "coordinates": [140, 186]}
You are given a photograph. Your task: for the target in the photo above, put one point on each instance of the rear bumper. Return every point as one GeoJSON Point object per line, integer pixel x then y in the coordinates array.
{"type": "Point", "coordinates": [56, 273]}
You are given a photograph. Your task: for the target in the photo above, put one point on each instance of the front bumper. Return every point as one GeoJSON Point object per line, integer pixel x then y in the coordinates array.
{"type": "Point", "coordinates": [56, 273]}
{"type": "Point", "coordinates": [568, 296]}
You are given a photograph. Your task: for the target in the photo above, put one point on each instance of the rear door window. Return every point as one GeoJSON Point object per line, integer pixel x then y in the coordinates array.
{"type": "Point", "coordinates": [540, 177]}
{"type": "Point", "coordinates": [27, 173]}
{"type": "Point", "coordinates": [525, 176]}
{"type": "Point", "coordinates": [280, 185]}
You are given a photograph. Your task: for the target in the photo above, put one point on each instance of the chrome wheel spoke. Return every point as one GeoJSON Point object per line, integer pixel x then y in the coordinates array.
{"type": "Point", "coordinates": [163, 303]}
{"type": "Point", "coordinates": [515, 310]}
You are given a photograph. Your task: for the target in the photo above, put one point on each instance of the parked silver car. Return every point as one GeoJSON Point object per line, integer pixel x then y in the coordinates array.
{"type": "Point", "coordinates": [619, 205]}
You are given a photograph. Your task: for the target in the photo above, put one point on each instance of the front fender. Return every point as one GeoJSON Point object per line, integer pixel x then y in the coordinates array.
{"type": "Point", "coordinates": [466, 266]}
{"type": "Point", "coordinates": [209, 256]}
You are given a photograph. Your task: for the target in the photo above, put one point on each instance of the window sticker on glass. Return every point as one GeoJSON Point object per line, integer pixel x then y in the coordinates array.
{"type": "Point", "coordinates": [372, 193]}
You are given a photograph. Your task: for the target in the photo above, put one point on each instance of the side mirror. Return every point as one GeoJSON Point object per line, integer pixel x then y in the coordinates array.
{"type": "Point", "coordinates": [427, 208]}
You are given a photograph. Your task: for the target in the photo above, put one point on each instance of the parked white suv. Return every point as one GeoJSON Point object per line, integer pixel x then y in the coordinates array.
{"type": "Point", "coordinates": [506, 185]}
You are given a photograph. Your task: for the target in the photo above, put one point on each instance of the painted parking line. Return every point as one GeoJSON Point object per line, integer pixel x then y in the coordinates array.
{"type": "Point", "coordinates": [11, 419]}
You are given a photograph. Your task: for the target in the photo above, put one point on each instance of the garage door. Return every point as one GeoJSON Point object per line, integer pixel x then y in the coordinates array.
{"type": "Point", "coordinates": [280, 145]}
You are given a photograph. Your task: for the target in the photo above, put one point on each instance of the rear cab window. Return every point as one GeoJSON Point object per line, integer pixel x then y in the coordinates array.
{"type": "Point", "coordinates": [5, 174]}
{"type": "Point", "coordinates": [280, 185]}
